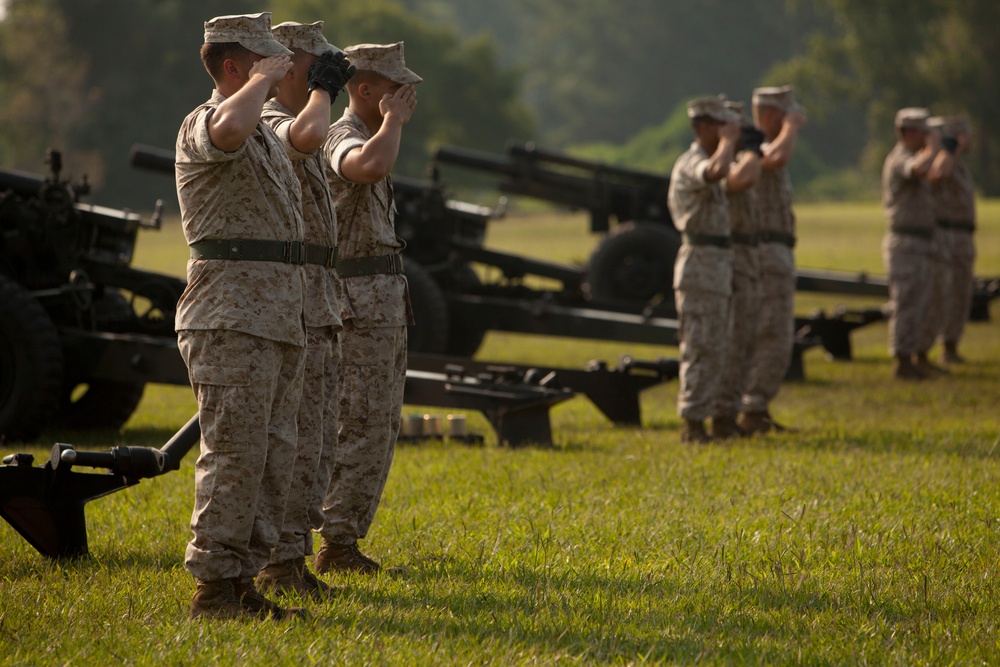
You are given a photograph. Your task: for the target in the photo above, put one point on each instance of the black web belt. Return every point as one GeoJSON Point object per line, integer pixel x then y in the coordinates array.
{"type": "Point", "coordinates": [746, 239]}
{"type": "Point", "coordinates": [716, 240]}
{"type": "Point", "coordinates": [920, 232]}
{"type": "Point", "coordinates": [289, 252]}
{"type": "Point", "coordinates": [777, 237]}
{"type": "Point", "coordinates": [369, 266]}
{"type": "Point", "coordinates": [956, 225]}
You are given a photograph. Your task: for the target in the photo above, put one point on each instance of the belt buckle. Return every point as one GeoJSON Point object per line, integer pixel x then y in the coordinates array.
{"type": "Point", "coordinates": [294, 252]}
{"type": "Point", "coordinates": [331, 257]}
{"type": "Point", "coordinates": [395, 263]}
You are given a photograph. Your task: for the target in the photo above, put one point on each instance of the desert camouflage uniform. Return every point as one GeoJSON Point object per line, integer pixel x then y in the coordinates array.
{"type": "Point", "coordinates": [703, 279]}
{"type": "Point", "coordinates": [938, 280]}
{"type": "Point", "coordinates": [319, 409]}
{"type": "Point", "coordinates": [241, 335]}
{"type": "Point", "coordinates": [906, 248]}
{"type": "Point", "coordinates": [744, 219]}
{"type": "Point", "coordinates": [776, 318]}
{"type": "Point", "coordinates": [376, 311]}
{"type": "Point", "coordinates": [957, 219]}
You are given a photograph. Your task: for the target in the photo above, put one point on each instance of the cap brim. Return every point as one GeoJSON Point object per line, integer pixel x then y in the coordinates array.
{"type": "Point", "coordinates": [266, 47]}
{"type": "Point", "coordinates": [408, 76]}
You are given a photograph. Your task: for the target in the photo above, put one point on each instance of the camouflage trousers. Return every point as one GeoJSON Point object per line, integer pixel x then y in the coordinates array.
{"type": "Point", "coordinates": [704, 321]}
{"type": "Point", "coordinates": [938, 290]}
{"type": "Point", "coordinates": [958, 303]}
{"type": "Point", "coordinates": [744, 307]}
{"type": "Point", "coordinates": [907, 261]}
{"type": "Point", "coordinates": [775, 327]}
{"type": "Point", "coordinates": [317, 440]}
{"type": "Point", "coordinates": [373, 373]}
{"type": "Point", "coordinates": [248, 390]}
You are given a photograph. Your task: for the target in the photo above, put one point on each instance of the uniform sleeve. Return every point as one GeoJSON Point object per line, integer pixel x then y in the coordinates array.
{"type": "Point", "coordinates": [194, 142]}
{"type": "Point", "coordinates": [282, 126]}
{"type": "Point", "coordinates": [338, 144]}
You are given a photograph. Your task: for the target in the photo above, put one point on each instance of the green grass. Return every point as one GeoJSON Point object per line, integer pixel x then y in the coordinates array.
{"type": "Point", "coordinates": [870, 536]}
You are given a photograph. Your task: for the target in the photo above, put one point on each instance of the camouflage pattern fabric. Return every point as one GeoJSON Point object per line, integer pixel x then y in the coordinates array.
{"type": "Point", "coordinates": [775, 327]}
{"type": "Point", "coordinates": [907, 260]}
{"type": "Point", "coordinates": [776, 318]}
{"type": "Point", "coordinates": [376, 311]}
{"type": "Point", "coordinates": [960, 279]}
{"type": "Point", "coordinates": [906, 199]}
{"type": "Point", "coordinates": [248, 391]}
{"type": "Point", "coordinates": [318, 423]}
{"type": "Point", "coordinates": [251, 193]}
{"type": "Point", "coordinates": [938, 288]}
{"type": "Point", "coordinates": [373, 372]}
{"type": "Point", "coordinates": [744, 305]}
{"type": "Point", "coordinates": [703, 279]}
{"type": "Point", "coordinates": [908, 205]}
{"type": "Point", "coordinates": [319, 409]}
{"type": "Point", "coordinates": [955, 200]}
{"type": "Point", "coordinates": [367, 216]}
{"type": "Point", "coordinates": [320, 219]}
{"type": "Point", "coordinates": [704, 320]}
{"type": "Point", "coordinates": [241, 334]}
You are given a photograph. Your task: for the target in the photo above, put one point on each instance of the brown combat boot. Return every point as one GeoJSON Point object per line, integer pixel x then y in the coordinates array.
{"type": "Point", "coordinates": [906, 370]}
{"type": "Point", "coordinates": [292, 576]}
{"type": "Point", "coordinates": [951, 355]}
{"type": "Point", "coordinates": [725, 427]}
{"type": "Point", "coordinates": [235, 599]}
{"type": "Point", "coordinates": [930, 369]}
{"type": "Point", "coordinates": [755, 422]}
{"type": "Point", "coordinates": [693, 432]}
{"type": "Point", "coordinates": [343, 558]}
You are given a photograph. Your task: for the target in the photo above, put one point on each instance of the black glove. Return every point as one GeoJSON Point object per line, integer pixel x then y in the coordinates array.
{"type": "Point", "coordinates": [330, 73]}
{"type": "Point", "coordinates": [751, 139]}
{"type": "Point", "coordinates": [950, 144]}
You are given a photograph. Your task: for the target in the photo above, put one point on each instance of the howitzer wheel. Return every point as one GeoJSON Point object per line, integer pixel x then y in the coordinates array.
{"type": "Point", "coordinates": [429, 334]}
{"type": "Point", "coordinates": [634, 265]}
{"type": "Point", "coordinates": [102, 404]}
{"type": "Point", "coordinates": [465, 336]}
{"type": "Point", "coordinates": [31, 364]}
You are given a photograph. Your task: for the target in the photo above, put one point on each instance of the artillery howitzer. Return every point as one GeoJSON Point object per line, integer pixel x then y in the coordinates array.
{"type": "Point", "coordinates": [81, 331]}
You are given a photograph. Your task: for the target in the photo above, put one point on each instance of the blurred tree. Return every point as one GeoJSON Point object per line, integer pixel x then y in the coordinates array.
{"type": "Point", "coordinates": [44, 94]}
{"type": "Point", "coordinates": [466, 97]}
{"type": "Point", "coordinates": [942, 54]}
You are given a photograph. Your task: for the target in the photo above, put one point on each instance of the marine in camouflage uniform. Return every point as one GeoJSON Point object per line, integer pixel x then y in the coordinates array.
{"type": "Point", "coordinates": [906, 247]}
{"type": "Point", "coordinates": [703, 269]}
{"type": "Point", "coordinates": [300, 116]}
{"type": "Point", "coordinates": [955, 206]}
{"type": "Point", "coordinates": [939, 278]}
{"type": "Point", "coordinates": [360, 150]}
{"type": "Point", "coordinates": [744, 222]}
{"type": "Point", "coordinates": [780, 117]}
{"type": "Point", "coordinates": [239, 320]}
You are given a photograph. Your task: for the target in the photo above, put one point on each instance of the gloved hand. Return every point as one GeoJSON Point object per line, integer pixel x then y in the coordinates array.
{"type": "Point", "coordinates": [330, 73]}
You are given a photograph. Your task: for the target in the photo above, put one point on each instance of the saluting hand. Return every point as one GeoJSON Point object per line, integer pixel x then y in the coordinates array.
{"type": "Point", "coordinates": [273, 68]}
{"type": "Point", "coordinates": [400, 104]}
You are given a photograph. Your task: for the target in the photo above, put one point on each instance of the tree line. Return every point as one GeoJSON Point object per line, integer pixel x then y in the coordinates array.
{"type": "Point", "coordinates": [602, 78]}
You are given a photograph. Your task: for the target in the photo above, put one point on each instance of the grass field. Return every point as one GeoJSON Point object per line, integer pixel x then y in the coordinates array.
{"type": "Point", "coordinates": [870, 536]}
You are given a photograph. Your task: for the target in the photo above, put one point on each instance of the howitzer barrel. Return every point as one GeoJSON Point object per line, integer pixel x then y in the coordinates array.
{"type": "Point", "coordinates": [532, 152]}
{"type": "Point", "coordinates": [152, 158]}
{"type": "Point", "coordinates": [475, 160]}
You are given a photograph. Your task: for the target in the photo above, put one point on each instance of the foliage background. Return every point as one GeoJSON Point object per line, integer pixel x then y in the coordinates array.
{"type": "Point", "coordinates": [600, 78]}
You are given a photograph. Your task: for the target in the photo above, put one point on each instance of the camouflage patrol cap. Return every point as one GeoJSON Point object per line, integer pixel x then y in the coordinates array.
{"type": "Point", "coordinates": [252, 31]}
{"type": "Point", "coordinates": [777, 97]}
{"type": "Point", "coordinates": [712, 107]}
{"type": "Point", "coordinates": [737, 108]}
{"type": "Point", "coordinates": [306, 37]}
{"type": "Point", "coordinates": [912, 118]}
{"type": "Point", "coordinates": [955, 125]}
{"type": "Point", "coordinates": [384, 59]}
